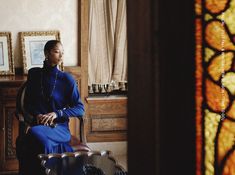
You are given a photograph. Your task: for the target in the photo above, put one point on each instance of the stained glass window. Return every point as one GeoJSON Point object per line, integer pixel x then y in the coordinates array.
{"type": "Point", "coordinates": [215, 87]}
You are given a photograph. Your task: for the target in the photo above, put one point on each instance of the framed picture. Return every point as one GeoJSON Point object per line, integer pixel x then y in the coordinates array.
{"type": "Point", "coordinates": [32, 47]}
{"type": "Point", "coordinates": [6, 56]}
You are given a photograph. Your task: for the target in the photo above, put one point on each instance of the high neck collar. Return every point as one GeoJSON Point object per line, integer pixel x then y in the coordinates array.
{"type": "Point", "coordinates": [48, 68]}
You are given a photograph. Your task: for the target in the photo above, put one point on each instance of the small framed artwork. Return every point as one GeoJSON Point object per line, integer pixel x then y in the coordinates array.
{"type": "Point", "coordinates": [32, 47]}
{"type": "Point", "coordinates": [6, 56]}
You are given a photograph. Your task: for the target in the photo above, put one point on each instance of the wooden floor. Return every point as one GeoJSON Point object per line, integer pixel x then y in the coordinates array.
{"type": "Point", "coordinates": [118, 149]}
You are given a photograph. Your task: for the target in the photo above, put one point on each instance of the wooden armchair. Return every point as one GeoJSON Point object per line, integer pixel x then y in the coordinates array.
{"type": "Point", "coordinates": [25, 120]}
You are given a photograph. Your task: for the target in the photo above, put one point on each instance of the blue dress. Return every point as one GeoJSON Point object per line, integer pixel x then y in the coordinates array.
{"type": "Point", "coordinates": [49, 90]}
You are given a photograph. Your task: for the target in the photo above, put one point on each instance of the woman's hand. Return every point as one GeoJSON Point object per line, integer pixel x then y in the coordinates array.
{"type": "Point", "coordinates": [38, 118]}
{"type": "Point", "coordinates": [46, 119]}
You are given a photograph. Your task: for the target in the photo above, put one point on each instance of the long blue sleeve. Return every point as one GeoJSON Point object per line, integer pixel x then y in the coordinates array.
{"type": "Point", "coordinates": [76, 107]}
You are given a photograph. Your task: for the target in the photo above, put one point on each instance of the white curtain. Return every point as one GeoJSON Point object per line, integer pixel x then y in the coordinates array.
{"type": "Point", "coordinates": [107, 57]}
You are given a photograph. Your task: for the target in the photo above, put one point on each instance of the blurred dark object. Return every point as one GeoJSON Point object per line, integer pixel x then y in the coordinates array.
{"type": "Point", "coordinates": [84, 163]}
{"type": "Point", "coordinates": [92, 170]}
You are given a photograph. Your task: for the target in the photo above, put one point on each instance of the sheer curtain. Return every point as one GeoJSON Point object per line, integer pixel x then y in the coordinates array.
{"type": "Point", "coordinates": [107, 57]}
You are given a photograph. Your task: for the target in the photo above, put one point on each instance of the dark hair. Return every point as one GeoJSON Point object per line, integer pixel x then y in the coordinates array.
{"type": "Point", "coordinates": [50, 45]}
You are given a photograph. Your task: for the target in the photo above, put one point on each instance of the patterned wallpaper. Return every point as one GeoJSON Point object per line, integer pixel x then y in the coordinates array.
{"type": "Point", "coordinates": [41, 15]}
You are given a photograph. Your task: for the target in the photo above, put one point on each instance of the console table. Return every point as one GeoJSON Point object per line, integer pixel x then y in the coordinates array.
{"type": "Point", "coordinates": [107, 118]}
{"type": "Point", "coordinates": [9, 86]}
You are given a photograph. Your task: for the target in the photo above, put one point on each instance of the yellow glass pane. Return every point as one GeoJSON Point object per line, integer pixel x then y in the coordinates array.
{"type": "Point", "coordinates": [211, 125]}
{"type": "Point", "coordinates": [229, 82]}
{"type": "Point", "coordinates": [208, 54]}
{"type": "Point", "coordinates": [229, 17]}
{"type": "Point", "coordinates": [208, 17]}
{"type": "Point", "coordinates": [226, 138]}
{"type": "Point", "coordinates": [220, 64]}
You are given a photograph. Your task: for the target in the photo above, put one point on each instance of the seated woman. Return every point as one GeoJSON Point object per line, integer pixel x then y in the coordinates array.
{"type": "Point", "coordinates": [50, 94]}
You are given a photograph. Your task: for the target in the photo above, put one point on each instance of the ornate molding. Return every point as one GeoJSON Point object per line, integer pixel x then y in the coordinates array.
{"type": "Point", "coordinates": [10, 150]}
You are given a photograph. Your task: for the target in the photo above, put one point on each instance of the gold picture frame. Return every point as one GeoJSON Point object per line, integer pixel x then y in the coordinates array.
{"type": "Point", "coordinates": [6, 55]}
{"type": "Point", "coordinates": [32, 47]}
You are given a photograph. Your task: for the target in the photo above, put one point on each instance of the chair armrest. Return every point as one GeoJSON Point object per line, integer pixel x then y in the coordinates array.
{"type": "Point", "coordinates": [19, 116]}
{"type": "Point", "coordinates": [81, 130]}
{"type": "Point", "coordinates": [81, 126]}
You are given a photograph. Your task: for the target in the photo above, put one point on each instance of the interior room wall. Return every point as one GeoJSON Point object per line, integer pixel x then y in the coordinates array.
{"type": "Point", "coordinates": [41, 15]}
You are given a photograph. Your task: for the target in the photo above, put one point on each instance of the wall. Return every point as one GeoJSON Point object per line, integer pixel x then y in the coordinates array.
{"type": "Point", "coordinates": [41, 15]}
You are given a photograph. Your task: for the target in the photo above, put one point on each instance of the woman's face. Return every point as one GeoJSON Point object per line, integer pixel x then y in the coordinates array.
{"type": "Point", "coordinates": [55, 55]}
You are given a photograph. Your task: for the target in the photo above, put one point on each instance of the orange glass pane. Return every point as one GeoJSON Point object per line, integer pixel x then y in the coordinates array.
{"type": "Point", "coordinates": [220, 64]}
{"type": "Point", "coordinates": [229, 168]}
{"type": "Point", "coordinates": [217, 37]}
{"type": "Point", "coordinates": [198, 75]}
{"type": "Point", "coordinates": [217, 97]}
{"type": "Point", "coordinates": [231, 112]}
{"type": "Point", "coordinates": [198, 7]}
{"type": "Point", "coordinates": [216, 6]}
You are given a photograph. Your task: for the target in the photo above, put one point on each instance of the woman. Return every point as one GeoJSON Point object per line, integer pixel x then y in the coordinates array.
{"type": "Point", "coordinates": [50, 95]}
